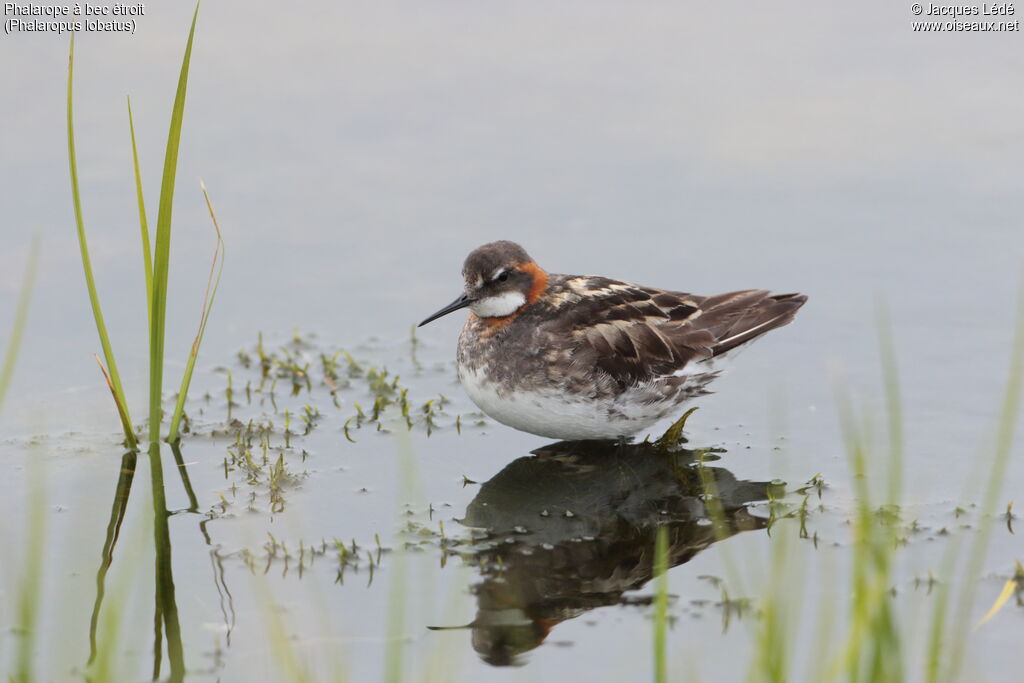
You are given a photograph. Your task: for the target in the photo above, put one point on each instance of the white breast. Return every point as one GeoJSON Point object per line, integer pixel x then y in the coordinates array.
{"type": "Point", "coordinates": [554, 414]}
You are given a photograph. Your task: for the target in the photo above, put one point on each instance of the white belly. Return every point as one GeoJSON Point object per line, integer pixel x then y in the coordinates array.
{"type": "Point", "coordinates": [554, 414]}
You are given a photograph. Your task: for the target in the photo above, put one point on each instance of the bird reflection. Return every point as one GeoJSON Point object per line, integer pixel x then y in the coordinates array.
{"type": "Point", "coordinates": [573, 528]}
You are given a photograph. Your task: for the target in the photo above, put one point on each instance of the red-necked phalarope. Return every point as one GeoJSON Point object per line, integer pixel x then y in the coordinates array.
{"type": "Point", "coordinates": [586, 357]}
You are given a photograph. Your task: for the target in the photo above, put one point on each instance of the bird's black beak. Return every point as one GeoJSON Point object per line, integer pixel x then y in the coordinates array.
{"type": "Point", "coordinates": [461, 302]}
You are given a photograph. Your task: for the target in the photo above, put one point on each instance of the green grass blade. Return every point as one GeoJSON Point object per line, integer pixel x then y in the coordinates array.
{"type": "Point", "coordinates": [103, 665]}
{"type": "Point", "coordinates": [122, 409]}
{"type": "Point", "coordinates": [97, 313]}
{"type": "Point", "coordinates": [398, 601]}
{"type": "Point", "coordinates": [30, 591]}
{"type": "Point", "coordinates": [280, 644]}
{"type": "Point", "coordinates": [894, 410]}
{"type": "Point", "coordinates": [147, 254]}
{"type": "Point", "coordinates": [212, 285]}
{"type": "Point", "coordinates": [1008, 415]}
{"type": "Point", "coordinates": [186, 481]}
{"type": "Point", "coordinates": [20, 319]}
{"type": "Point", "coordinates": [166, 603]}
{"type": "Point", "coordinates": [660, 604]}
{"type": "Point", "coordinates": [117, 514]}
{"type": "Point", "coordinates": [161, 256]}
{"type": "Point", "coordinates": [948, 631]}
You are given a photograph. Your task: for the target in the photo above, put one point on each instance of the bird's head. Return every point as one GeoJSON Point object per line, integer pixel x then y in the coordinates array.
{"type": "Point", "coordinates": [500, 280]}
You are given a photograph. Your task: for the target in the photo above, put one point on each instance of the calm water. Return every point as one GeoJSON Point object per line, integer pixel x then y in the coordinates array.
{"type": "Point", "coordinates": [355, 155]}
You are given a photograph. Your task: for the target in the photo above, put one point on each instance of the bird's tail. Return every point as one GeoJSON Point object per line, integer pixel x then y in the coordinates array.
{"type": "Point", "coordinates": [740, 317]}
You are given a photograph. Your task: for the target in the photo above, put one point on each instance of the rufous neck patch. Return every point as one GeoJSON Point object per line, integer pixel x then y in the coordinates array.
{"type": "Point", "coordinates": [540, 281]}
{"type": "Point", "coordinates": [493, 324]}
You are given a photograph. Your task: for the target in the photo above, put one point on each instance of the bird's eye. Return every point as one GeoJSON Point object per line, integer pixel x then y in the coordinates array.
{"type": "Point", "coordinates": [503, 276]}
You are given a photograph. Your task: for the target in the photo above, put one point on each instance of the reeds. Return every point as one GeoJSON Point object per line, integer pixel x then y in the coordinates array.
{"type": "Point", "coordinates": [949, 631]}
{"type": "Point", "coordinates": [875, 642]}
{"type": "Point", "coordinates": [212, 285]}
{"type": "Point", "coordinates": [114, 377]}
{"type": "Point", "coordinates": [156, 263]}
{"type": "Point", "coordinates": [30, 589]}
{"type": "Point", "coordinates": [156, 269]}
{"type": "Point", "coordinates": [873, 648]}
{"type": "Point", "coordinates": [162, 247]}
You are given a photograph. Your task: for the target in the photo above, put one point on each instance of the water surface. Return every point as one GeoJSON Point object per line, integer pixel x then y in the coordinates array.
{"type": "Point", "coordinates": [355, 155]}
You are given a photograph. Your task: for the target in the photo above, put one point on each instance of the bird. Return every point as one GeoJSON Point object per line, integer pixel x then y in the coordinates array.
{"type": "Point", "coordinates": [584, 357]}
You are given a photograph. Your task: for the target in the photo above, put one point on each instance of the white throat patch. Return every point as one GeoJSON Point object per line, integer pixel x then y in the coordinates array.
{"type": "Point", "coordinates": [498, 306]}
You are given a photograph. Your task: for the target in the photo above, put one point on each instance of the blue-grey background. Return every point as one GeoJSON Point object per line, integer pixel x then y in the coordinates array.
{"type": "Point", "coordinates": [355, 153]}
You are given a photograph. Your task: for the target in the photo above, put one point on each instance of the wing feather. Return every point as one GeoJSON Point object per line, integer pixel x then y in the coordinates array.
{"type": "Point", "coordinates": [638, 334]}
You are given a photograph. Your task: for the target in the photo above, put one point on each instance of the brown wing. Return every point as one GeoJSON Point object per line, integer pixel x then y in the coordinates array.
{"type": "Point", "coordinates": [636, 334]}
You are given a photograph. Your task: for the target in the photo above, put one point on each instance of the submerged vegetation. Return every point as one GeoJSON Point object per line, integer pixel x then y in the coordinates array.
{"type": "Point", "coordinates": [278, 395]}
